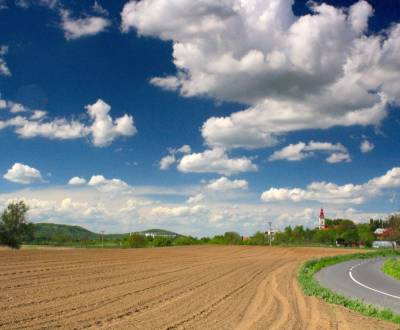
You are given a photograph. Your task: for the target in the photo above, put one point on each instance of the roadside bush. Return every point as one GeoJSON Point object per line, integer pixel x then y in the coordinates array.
{"type": "Point", "coordinates": [391, 267]}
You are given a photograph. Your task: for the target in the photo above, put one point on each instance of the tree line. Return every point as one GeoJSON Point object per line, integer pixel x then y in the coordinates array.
{"type": "Point", "coordinates": [15, 230]}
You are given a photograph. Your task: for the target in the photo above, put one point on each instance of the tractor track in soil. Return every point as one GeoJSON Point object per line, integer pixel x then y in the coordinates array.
{"type": "Point", "coordinates": [199, 287]}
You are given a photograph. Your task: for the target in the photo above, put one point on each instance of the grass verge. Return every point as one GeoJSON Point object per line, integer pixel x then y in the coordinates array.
{"type": "Point", "coordinates": [391, 267]}
{"type": "Point", "coordinates": [311, 287]}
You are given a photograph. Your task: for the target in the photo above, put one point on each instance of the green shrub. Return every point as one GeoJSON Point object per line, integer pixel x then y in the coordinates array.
{"type": "Point", "coordinates": [160, 241]}
{"type": "Point", "coordinates": [186, 240]}
{"type": "Point", "coordinates": [391, 267]}
{"type": "Point", "coordinates": [135, 241]}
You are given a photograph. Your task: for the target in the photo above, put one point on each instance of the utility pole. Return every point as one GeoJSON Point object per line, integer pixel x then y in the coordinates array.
{"type": "Point", "coordinates": [270, 232]}
{"type": "Point", "coordinates": [102, 240]}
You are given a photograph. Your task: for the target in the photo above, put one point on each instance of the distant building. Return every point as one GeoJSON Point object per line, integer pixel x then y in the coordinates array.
{"type": "Point", "coordinates": [322, 224]}
{"type": "Point", "coordinates": [383, 244]}
{"type": "Point", "coordinates": [154, 234]}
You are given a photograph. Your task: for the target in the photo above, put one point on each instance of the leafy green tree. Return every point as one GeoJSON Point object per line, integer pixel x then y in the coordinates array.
{"type": "Point", "coordinates": [350, 236]}
{"type": "Point", "coordinates": [365, 234]}
{"type": "Point", "coordinates": [258, 238]}
{"type": "Point", "coordinates": [14, 226]}
{"type": "Point", "coordinates": [162, 241]}
{"type": "Point", "coordinates": [394, 228]}
{"type": "Point", "coordinates": [186, 240]}
{"type": "Point", "coordinates": [327, 236]}
{"type": "Point", "coordinates": [232, 238]}
{"type": "Point", "coordinates": [136, 240]}
{"type": "Point", "coordinates": [217, 239]}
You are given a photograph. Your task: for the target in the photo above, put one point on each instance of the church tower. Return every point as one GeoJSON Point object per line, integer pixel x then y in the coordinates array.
{"type": "Point", "coordinates": [322, 220]}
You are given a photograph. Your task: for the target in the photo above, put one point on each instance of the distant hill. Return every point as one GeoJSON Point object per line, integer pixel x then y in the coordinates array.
{"type": "Point", "coordinates": [52, 231]}
{"type": "Point", "coordinates": [160, 232]}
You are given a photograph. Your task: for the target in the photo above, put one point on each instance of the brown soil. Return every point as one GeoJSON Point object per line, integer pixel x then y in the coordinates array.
{"type": "Point", "coordinates": [202, 287]}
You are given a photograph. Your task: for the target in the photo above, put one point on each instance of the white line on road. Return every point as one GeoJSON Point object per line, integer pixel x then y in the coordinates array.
{"type": "Point", "coordinates": [368, 287]}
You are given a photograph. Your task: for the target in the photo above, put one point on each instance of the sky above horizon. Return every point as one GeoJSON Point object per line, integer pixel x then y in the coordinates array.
{"type": "Point", "coordinates": [200, 116]}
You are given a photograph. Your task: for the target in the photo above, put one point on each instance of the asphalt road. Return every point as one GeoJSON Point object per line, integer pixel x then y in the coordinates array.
{"type": "Point", "coordinates": [362, 279]}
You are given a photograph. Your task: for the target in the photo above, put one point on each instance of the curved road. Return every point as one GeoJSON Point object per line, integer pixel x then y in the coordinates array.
{"type": "Point", "coordinates": [363, 279]}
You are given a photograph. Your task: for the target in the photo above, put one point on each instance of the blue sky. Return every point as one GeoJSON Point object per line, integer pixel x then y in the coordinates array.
{"type": "Point", "coordinates": [199, 116]}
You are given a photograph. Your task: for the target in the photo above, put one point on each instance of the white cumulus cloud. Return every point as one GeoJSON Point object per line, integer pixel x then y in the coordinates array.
{"type": "Point", "coordinates": [24, 174]}
{"type": "Point", "coordinates": [75, 28]}
{"type": "Point", "coordinates": [301, 150]}
{"type": "Point", "coordinates": [167, 161]}
{"type": "Point", "coordinates": [225, 184]}
{"type": "Point", "coordinates": [102, 129]}
{"type": "Point", "coordinates": [109, 185]}
{"type": "Point", "coordinates": [366, 146]}
{"type": "Point", "coordinates": [314, 71]}
{"type": "Point", "coordinates": [215, 161]}
{"type": "Point", "coordinates": [76, 181]}
{"type": "Point", "coordinates": [328, 192]}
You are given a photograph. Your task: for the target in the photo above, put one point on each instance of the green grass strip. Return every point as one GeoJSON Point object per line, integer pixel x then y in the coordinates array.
{"type": "Point", "coordinates": [391, 267]}
{"type": "Point", "coordinates": [311, 286]}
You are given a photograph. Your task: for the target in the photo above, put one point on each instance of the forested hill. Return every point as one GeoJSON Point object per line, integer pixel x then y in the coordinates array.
{"type": "Point", "coordinates": [52, 231]}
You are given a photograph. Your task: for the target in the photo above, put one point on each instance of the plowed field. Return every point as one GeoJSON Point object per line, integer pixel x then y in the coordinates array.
{"type": "Point", "coordinates": [202, 287]}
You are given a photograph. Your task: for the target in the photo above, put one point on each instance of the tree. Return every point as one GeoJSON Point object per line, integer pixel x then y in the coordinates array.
{"type": "Point", "coordinates": [136, 240]}
{"type": "Point", "coordinates": [162, 241]}
{"type": "Point", "coordinates": [393, 232]}
{"type": "Point", "coordinates": [232, 238]}
{"type": "Point", "coordinates": [14, 226]}
{"type": "Point", "coordinates": [258, 238]}
{"type": "Point", "coordinates": [365, 234]}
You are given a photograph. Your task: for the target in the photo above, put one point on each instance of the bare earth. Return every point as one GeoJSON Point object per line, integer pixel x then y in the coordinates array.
{"type": "Point", "coordinates": [202, 287]}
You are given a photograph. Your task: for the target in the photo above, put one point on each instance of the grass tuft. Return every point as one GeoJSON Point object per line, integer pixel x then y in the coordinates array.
{"type": "Point", "coordinates": [311, 287]}
{"type": "Point", "coordinates": [391, 267]}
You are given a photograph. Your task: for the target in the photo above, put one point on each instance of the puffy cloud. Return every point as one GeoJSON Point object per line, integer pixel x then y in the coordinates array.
{"type": "Point", "coordinates": [38, 114]}
{"type": "Point", "coordinates": [178, 211]}
{"type": "Point", "coordinates": [338, 157]}
{"type": "Point", "coordinates": [185, 149]}
{"type": "Point", "coordinates": [81, 27]}
{"type": "Point", "coordinates": [23, 174]}
{"type": "Point", "coordinates": [301, 150]}
{"type": "Point", "coordinates": [318, 70]}
{"type": "Point", "coordinates": [167, 161]}
{"type": "Point", "coordinates": [76, 181]}
{"type": "Point", "coordinates": [102, 129]}
{"type": "Point", "coordinates": [391, 179]}
{"type": "Point", "coordinates": [4, 70]}
{"type": "Point", "coordinates": [366, 146]}
{"type": "Point", "coordinates": [215, 161]}
{"type": "Point", "coordinates": [196, 199]}
{"type": "Point", "coordinates": [224, 184]}
{"type": "Point", "coordinates": [109, 185]}
{"type": "Point", "coordinates": [328, 192]}
{"type": "Point", "coordinates": [98, 9]}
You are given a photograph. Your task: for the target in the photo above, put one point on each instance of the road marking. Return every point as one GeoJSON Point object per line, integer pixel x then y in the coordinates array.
{"type": "Point", "coordinates": [368, 287]}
